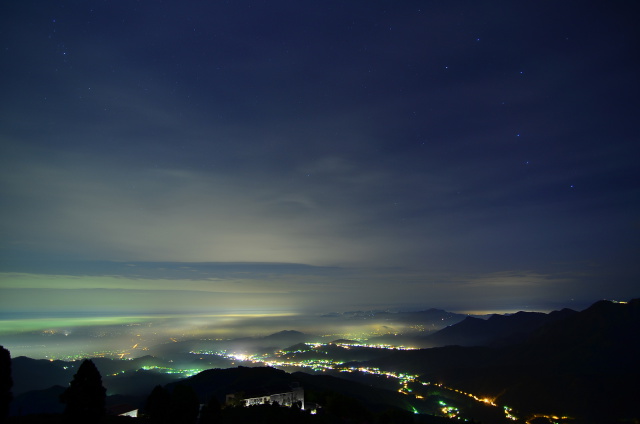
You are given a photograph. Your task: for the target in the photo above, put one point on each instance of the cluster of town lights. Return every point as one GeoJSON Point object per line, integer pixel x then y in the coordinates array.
{"type": "Point", "coordinates": [372, 346]}
{"type": "Point", "coordinates": [403, 378]}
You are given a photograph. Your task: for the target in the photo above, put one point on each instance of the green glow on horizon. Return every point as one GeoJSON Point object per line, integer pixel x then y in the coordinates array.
{"type": "Point", "coordinates": [15, 326]}
{"type": "Point", "coordinates": [23, 280]}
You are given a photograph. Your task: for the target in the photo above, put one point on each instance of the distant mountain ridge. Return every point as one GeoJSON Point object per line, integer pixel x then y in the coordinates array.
{"type": "Point", "coordinates": [497, 330]}
{"type": "Point", "coordinates": [584, 365]}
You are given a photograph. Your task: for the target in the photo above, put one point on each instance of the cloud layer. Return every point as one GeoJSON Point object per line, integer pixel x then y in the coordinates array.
{"type": "Point", "coordinates": [371, 156]}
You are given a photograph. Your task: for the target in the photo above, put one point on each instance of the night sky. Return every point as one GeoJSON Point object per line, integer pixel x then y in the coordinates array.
{"type": "Point", "coordinates": [283, 157]}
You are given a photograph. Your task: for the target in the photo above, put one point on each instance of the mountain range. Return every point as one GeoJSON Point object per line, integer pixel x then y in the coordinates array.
{"type": "Point", "coordinates": [496, 330]}
{"type": "Point", "coordinates": [584, 364]}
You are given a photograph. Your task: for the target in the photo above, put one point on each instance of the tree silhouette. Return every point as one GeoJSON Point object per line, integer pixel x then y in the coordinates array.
{"type": "Point", "coordinates": [6, 382]}
{"type": "Point", "coordinates": [85, 397]}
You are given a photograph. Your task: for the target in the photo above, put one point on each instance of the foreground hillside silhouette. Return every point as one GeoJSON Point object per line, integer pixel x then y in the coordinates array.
{"type": "Point", "coordinates": [585, 366]}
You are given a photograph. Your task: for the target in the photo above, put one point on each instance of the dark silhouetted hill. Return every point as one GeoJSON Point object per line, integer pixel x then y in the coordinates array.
{"type": "Point", "coordinates": [286, 335]}
{"type": "Point", "coordinates": [47, 401]}
{"type": "Point", "coordinates": [119, 376]}
{"type": "Point", "coordinates": [137, 383]}
{"type": "Point", "coordinates": [220, 382]}
{"type": "Point", "coordinates": [38, 402]}
{"type": "Point", "coordinates": [39, 374]}
{"type": "Point", "coordinates": [345, 341]}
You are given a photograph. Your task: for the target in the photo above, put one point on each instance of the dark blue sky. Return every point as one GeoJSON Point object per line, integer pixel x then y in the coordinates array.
{"type": "Point", "coordinates": [322, 155]}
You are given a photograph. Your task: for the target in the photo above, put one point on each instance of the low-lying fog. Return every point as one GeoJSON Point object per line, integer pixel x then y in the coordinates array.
{"type": "Point", "coordinates": [135, 336]}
